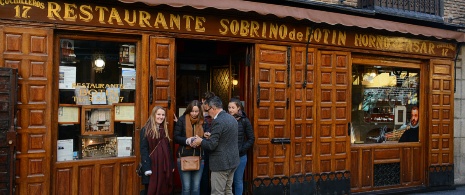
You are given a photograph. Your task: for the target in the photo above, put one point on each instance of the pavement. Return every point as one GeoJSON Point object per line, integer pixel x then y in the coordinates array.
{"type": "Point", "coordinates": [459, 190]}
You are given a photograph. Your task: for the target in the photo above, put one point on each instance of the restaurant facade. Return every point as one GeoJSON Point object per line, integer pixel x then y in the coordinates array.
{"type": "Point", "coordinates": [330, 95]}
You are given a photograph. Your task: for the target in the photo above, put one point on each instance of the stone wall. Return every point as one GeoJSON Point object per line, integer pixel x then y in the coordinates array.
{"type": "Point", "coordinates": [459, 120]}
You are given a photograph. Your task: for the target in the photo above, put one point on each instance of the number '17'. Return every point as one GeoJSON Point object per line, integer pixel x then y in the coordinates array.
{"type": "Point", "coordinates": [22, 13]}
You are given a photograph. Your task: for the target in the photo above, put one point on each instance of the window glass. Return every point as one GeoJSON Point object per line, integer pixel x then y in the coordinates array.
{"type": "Point", "coordinates": [97, 84]}
{"type": "Point", "coordinates": [385, 104]}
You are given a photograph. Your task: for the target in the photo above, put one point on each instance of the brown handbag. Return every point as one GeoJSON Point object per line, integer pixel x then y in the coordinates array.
{"type": "Point", "coordinates": [190, 163]}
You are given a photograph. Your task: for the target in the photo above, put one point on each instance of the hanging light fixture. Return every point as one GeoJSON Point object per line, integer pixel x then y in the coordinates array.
{"type": "Point", "coordinates": [98, 62]}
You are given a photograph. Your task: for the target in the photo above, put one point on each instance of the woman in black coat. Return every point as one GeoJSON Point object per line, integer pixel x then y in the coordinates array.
{"type": "Point", "coordinates": [245, 140]}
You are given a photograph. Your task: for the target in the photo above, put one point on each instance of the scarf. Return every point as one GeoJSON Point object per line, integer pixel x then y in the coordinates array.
{"type": "Point", "coordinates": [197, 124]}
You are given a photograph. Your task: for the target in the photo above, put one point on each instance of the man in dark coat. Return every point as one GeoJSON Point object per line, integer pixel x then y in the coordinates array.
{"type": "Point", "coordinates": [224, 155]}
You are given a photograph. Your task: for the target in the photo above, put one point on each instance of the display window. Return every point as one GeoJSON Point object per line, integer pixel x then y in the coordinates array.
{"type": "Point", "coordinates": [97, 85]}
{"type": "Point", "coordinates": [385, 104]}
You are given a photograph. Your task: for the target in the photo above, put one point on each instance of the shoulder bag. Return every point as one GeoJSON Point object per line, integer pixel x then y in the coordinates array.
{"type": "Point", "coordinates": [139, 167]}
{"type": "Point", "coordinates": [190, 163]}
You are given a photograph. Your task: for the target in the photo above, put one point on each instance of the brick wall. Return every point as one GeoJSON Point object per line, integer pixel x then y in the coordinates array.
{"type": "Point", "coordinates": [453, 9]}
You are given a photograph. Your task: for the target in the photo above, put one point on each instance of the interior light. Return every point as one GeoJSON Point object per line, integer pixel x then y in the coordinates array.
{"type": "Point", "coordinates": [99, 62]}
{"type": "Point", "coordinates": [235, 82]}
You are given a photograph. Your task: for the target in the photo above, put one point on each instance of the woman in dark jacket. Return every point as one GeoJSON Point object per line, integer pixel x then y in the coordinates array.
{"type": "Point", "coordinates": [155, 152]}
{"type": "Point", "coordinates": [245, 140]}
{"type": "Point", "coordinates": [190, 124]}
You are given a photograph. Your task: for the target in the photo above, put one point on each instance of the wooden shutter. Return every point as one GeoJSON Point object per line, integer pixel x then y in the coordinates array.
{"type": "Point", "coordinates": [441, 113]}
{"type": "Point", "coordinates": [333, 112]}
{"type": "Point", "coordinates": [270, 113]}
{"type": "Point", "coordinates": [161, 80]}
{"type": "Point", "coordinates": [30, 51]}
{"type": "Point", "coordinates": [302, 112]}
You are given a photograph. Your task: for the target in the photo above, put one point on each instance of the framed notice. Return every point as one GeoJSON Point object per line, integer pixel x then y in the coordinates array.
{"type": "Point", "coordinates": [68, 115]}
{"type": "Point", "coordinates": [124, 146]}
{"type": "Point", "coordinates": [65, 150]}
{"type": "Point", "coordinates": [99, 98]}
{"type": "Point", "coordinates": [124, 112]}
{"type": "Point", "coordinates": [67, 77]}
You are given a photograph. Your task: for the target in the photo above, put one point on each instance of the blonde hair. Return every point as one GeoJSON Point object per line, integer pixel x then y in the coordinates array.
{"type": "Point", "coordinates": [151, 126]}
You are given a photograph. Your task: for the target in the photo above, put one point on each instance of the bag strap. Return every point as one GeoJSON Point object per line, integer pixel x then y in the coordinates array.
{"type": "Point", "coordinates": [182, 151]}
{"type": "Point", "coordinates": [154, 148]}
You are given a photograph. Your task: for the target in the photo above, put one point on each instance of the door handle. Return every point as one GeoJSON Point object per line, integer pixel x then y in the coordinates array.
{"type": "Point", "coordinates": [151, 90]}
{"type": "Point", "coordinates": [258, 95]}
{"type": "Point", "coordinates": [281, 141]}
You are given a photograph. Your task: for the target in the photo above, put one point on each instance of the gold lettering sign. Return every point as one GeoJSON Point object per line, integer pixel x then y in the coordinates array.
{"type": "Point", "coordinates": [152, 18]}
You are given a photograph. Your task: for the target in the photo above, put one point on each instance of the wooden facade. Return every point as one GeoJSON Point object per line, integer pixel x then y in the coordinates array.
{"type": "Point", "coordinates": [298, 99]}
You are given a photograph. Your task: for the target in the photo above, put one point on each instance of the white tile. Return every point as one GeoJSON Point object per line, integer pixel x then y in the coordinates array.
{"type": "Point", "coordinates": [458, 71]}
{"type": "Point", "coordinates": [457, 148]}
{"type": "Point", "coordinates": [461, 149]}
{"type": "Point", "coordinates": [459, 85]}
{"type": "Point", "coordinates": [461, 105]}
{"type": "Point", "coordinates": [458, 109]}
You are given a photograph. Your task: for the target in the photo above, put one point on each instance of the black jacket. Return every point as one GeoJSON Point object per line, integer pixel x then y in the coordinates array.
{"type": "Point", "coordinates": [245, 134]}
{"type": "Point", "coordinates": [180, 138]}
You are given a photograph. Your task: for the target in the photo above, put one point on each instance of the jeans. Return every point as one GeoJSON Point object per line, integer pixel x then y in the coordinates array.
{"type": "Point", "coordinates": [238, 181]}
{"type": "Point", "coordinates": [190, 180]}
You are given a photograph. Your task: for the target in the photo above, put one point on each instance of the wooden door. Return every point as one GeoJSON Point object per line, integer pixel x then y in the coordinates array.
{"type": "Point", "coordinates": [333, 116]}
{"type": "Point", "coordinates": [162, 81]}
{"type": "Point", "coordinates": [303, 110]}
{"type": "Point", "coordinates": [441, 123]}
{"type": "Point", "coordinates": [332, 161]}
{"type": "Point", "coordinates": [8, 90]}
{"type": "Point", "coordinates": [271, 113]}
{"type": "Point", "coordinates": [29, 50]}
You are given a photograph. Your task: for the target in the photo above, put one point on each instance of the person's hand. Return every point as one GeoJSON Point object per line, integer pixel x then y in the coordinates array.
{"type": "Point", "coordinates": [207, 135]}
{"type": "Point", "coordinates": [197, 141]}
{"type": "Point", "coordinates": [175, 118]}
{"type": "Point", "coordinates": [147, 173]}
{"type": "Point", "coordinates": [189, 140]}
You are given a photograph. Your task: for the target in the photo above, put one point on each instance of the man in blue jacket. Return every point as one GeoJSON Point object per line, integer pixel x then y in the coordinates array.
{"type": "Point", "coordinates": [224, 155]}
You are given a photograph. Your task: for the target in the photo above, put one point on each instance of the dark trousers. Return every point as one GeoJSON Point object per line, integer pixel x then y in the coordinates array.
{"type": "Point", "coordinates": [205, 188]}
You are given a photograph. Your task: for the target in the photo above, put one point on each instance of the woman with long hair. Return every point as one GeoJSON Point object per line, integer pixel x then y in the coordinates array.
{"type": "Point", "coordinates": [246, 139]}
{"type": "Point", "coordinates": [155, 152]}
{"type": "Point", "coordinates": [190, 124]}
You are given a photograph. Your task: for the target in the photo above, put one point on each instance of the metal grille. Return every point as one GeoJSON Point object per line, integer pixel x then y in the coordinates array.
{"type": "Point", "coordinates": [221, 84]}
{"type": "Point", "coordinates": [386, 174]}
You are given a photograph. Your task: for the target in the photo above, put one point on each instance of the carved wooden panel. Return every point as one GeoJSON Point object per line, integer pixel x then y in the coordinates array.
{"type": "Point", "coordinates": [367, 168]}
{"type": "Point", "coordinates": [29, 50]}
{"type": "Point", "coordinates": [107, 179]}
{"type": "Point", "coordinates": [406, 165]}
{"type": "Point", "coordinates": [302, 111]}
{"type": "Point", "coordinates": [127, 178]}
{"type": "Point", "coordinates": [441, 109]}
{"type": "Point", "coordinates": [64, 181]}
{"type": "Point", "coordinates": [271, 120]}
{"type": "Point", "coordinates": [333, 111]}
{"type": "Point", "coordinates": [355, 157]}
{"type": "Point", "coordinates": [86, 179]}
{"type": "Point", "coordinates": [99, 176]}
{"type": "Point", "coordinates": [162, 70]}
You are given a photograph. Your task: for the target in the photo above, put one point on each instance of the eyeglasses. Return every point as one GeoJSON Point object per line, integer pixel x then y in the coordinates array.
{"type": "Point", "coordinates": [206, 110]}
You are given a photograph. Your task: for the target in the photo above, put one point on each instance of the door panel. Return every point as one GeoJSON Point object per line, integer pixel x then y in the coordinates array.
{"type": "Point", "coordinates": [162, 80]}
{"type": "Point", "coordinates": [441, 123]}
{"type": "Point", "coordinates": [29, 50]}
{"type": "Point", "coordinates": [333, 110]}
{"type": "Point", "coordinates": [8, 90]}
{"type": "Point", "coordinates": [271, 114]}
{"type": "Point", "coordinates": [302, 112]}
